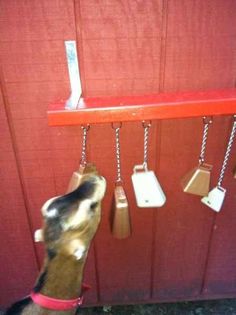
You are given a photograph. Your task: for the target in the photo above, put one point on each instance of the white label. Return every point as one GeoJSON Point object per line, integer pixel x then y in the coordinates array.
{"type": "Point", "coordinates": [215, 198]}
{"type": "Point", "coordinates": [74, 75]}
{"type": "Point", "coordinates": [148, 191]}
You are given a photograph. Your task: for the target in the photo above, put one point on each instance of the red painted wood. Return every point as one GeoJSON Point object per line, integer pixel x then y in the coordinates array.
{"type": "Point", "coordinates": [125, 44]}
{"type": "Point", "coordinates": [220, 271]}
{"type": "Point", "coordinates": [125, 48]}
{"type": "Point", "coordinates": [123, 19]}
{"type": "Point", "coordinates": [124, 266]}
{"type": "Point", "coordinates": [182, 248]}
{"type": "Point", "coordinates": [34, 93]}
{"type": "Point", "coordinates": [192, 64]}
{"type": "Point", "coordinates": [199, 45]}
{"type": "Point", "coordinates": [35, 73]}
{"type": "Point", "coordinates": [33, 52]}
{"type": "Point", "coordinates": [191, 18]}
{"type": "Point", "coordinates": [17, 256]}
{"type": "Point", "coordinates": [49, 21]}
{"type": "Point", "coordinates": [199, 50]}
{"type": "Point", "coordinates": [133, 108]}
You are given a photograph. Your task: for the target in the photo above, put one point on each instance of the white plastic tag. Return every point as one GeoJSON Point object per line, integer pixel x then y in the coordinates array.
{"type": "Point", "coordinates": [74, 75]}
{"type": "Point", "coordinates": [215, 198]}
{"type": "Point", "coordinates": [38, 235]}
{"type": "Point", "coordinates": [148, 191]}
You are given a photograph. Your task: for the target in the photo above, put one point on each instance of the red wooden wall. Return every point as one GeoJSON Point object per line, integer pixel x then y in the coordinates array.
{"type": "Point", "coordinates": [181, 251]}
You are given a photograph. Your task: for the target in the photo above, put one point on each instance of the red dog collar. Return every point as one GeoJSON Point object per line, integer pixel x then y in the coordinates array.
{"type": "Point", "coordinates": [57, 304]}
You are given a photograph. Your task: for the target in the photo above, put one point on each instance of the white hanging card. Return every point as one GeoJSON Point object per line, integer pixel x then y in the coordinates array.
{"type": "Point", "coordinates": [148, 191]}
{"type": "Point", "coordinates": [215, 198]}
{"type": "Point", "coordinates": [74, 75]}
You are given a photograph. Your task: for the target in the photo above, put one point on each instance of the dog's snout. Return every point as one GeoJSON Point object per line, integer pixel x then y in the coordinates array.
{"type": "Point", "coordinates": [101, 178]}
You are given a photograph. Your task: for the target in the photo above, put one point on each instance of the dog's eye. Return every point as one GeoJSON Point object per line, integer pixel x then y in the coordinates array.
{"type": "Point", "coordinates": [93, 205]}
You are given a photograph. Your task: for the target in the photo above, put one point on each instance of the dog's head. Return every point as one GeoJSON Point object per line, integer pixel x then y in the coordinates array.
{"type": "Point", "coordinates": [70, 221]}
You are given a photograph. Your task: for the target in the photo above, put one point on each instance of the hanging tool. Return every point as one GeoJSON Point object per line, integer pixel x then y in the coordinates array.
{"type": "Point", "coordinates": [197, 181]}
{"type": "Point", "coordinates": [148, 191]}
{"type": "Point", "coordinates": [121, 226]}
{"type": "Point", "coordinates": [84, 167]}
{"type": "Point", "coordinates": [216, 196]}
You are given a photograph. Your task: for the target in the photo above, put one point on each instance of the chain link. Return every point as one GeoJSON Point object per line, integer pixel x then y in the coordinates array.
{"type": "Point", "coordinates": [146, 127]}
{"type": "Point", "coordinates": [206, 123]}
{"type": "Point", "coordinates": [227, 153]}
{"type": "Point", "coordinates": [85, 129]}
{"type": "Point", "coordinates": [117, 133]}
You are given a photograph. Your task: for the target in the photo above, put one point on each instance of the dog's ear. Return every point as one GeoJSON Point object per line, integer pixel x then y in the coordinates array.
{"type": "Point", "coordinates": [77, 248]}
{"type": "Point", "coordinates": [44, 209]}
{"type": "Point", "coordinates": [38, 235]}
{"type": "Point", "coordinates": [80, 252]}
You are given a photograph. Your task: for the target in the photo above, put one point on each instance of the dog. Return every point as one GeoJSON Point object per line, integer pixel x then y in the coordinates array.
{"type": "Point", "coordinates": [70, 223]}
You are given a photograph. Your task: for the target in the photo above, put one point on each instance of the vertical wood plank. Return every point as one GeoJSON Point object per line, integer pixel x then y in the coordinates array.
{"type": "Point", "coordinates": [119, 46]}
{"type": "Point", "coordinates": [183, 226]}
{"type": "Point", "coordinates": [35, 74]}
{"type": "Point", "coordinates": [198, 55]}
{"type": "Point", "coordinates": [16, 239]}
{"type": "Point", "coordinates": [200, 45]}
{"type": "Point", "coordinates": [220, 272]}
{"type": "Point", "coordinates": [121, 55]}
{"type": "Point", "coordinates": [125, 47]}
{"type": "Point", "coordinates": [124, 266]}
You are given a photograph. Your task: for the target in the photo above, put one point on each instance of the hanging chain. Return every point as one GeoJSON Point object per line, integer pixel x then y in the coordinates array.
{"type": "Point", "coordinates": [85, 129]}
{"type": "Point", "coordinates": [117, 131]}
{"type": "Point", "coordinates": [146, 127]}
{"type": "Point", "coordinates": [206, 122]}
{"type": "Point", "coordinates": [227, 153]}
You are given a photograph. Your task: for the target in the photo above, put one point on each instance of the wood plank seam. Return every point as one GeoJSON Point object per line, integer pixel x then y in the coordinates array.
{"type": "Point", "coordinates": [18, 164]}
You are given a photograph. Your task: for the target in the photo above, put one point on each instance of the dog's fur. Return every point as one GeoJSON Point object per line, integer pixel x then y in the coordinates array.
{"type": "Point", "coordinates": [70, 223]}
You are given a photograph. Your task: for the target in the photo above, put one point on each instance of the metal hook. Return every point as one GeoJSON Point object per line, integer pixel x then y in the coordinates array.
{"type": "Point", "coordinates": [207, 120]}
{"type": "Point", "coordinates": [85, 127]}
{"type": "Point", "coordinates": [146, 124]}
{"type": "Point", "coordinates": [113, 125]}
{"type": "Point", "coordinates": [117, 127]}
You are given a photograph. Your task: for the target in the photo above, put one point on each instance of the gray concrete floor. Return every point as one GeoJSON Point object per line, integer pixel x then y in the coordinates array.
{"type": "Point", "coordinates": [216, 307]}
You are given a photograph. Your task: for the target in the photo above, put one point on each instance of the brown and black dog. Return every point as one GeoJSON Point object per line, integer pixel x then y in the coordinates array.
{"type": "Point", "coordinates": [70, 223]}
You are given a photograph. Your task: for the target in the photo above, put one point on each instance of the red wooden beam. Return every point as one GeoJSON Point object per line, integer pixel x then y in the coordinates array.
{"type": "Point", "coordinates": [144, 107]}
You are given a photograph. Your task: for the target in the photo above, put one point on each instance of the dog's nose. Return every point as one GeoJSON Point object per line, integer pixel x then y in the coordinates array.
{"type": "Point", "coordinates": [102, 183]}
{"type": "Point", "coordinates": [102, 179]}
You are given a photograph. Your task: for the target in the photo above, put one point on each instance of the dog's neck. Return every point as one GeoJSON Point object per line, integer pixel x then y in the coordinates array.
{"type": "Point", "coordinates": [61, 277]}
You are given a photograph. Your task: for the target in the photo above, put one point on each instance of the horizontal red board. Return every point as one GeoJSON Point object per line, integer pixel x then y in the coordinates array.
{"type": "Point", "coordinates": [144, 107]}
